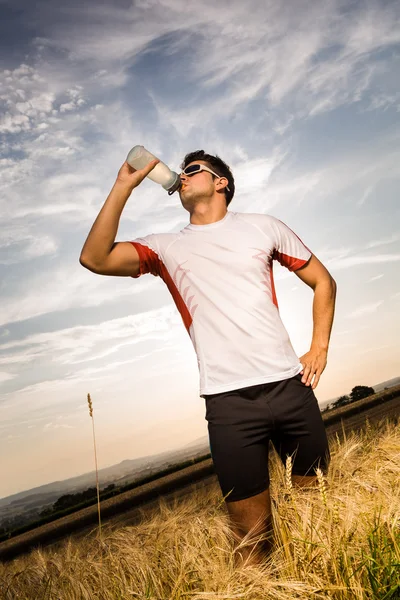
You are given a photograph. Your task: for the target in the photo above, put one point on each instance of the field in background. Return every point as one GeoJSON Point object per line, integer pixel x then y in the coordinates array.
{"type": "Point", "coordinates": [182, 482]}
{"type": "Point", "coordinates": [338, 541]}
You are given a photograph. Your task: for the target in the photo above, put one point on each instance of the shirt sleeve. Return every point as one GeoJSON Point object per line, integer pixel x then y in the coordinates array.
{"type": "Point", "coordinates": [289, 250]}
{"type": "Point", "coordinates": [149, 255]}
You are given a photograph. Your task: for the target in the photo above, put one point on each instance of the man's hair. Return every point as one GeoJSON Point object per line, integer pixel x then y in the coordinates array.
{"type": "Point", "coordinates": [216, 164]}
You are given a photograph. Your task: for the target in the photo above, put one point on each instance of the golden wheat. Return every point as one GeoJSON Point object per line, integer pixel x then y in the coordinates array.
{"type": "Point", "coordinates": [333, 543]}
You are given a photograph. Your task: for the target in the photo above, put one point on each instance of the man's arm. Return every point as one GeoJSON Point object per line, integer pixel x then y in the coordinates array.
{"type": "Point", "coordinates": [100, 253]}
{"type": "Point", "coordinates": [315, 275]}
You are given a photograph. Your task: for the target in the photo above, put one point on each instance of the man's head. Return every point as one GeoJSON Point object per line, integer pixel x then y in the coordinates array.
{"type": "Point", "coordinates": [203, 185]}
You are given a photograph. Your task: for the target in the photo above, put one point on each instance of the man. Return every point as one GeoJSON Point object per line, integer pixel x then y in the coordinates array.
{"type": "Point", "coordinates": [219, 272]}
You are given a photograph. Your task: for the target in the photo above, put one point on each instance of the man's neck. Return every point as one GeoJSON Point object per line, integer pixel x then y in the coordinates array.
{"type": "Point", "coordinates": [204, 215]}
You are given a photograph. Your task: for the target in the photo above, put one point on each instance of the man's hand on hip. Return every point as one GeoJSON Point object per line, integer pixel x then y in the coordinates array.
{"type": "Point", "coordinates": [314, 363]}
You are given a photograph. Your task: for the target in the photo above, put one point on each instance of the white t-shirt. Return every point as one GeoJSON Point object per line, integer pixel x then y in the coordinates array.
{"type": "Point", "coordinates": [220, 277]}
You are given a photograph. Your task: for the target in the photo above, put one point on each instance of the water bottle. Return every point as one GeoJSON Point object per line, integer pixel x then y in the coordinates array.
{"type": "Point", "coordinates": [139, 157]}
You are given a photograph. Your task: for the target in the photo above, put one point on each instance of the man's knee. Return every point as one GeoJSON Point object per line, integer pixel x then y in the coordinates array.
{"type": "Point", "coordinates": [251, 515]}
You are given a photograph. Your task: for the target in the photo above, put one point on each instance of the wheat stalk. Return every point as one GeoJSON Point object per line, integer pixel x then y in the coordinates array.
{"type": "Point", "coordinates": [288, 476]}
{"type": "Point", "coordinates": [322, 486]}
{"type": "Point", "coordinates": [95, 462]}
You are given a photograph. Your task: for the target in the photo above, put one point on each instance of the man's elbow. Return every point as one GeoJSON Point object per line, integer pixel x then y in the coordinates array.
{"type": "Point", "coordinates": [85, 263]}
{"type": "Point", "coordinates": [82, 261]}
{"type": "Point", "coordinates": [333, 286]}
{"type": "Point", "coordinates": [326, 282]}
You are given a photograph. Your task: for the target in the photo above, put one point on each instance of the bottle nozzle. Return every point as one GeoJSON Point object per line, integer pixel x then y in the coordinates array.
{"type": "Point", "coordinates": [176, 185]}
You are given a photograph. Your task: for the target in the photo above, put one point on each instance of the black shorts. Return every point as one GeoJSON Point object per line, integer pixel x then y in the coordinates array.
{"type": "Point", "coordinates": [242, 422]}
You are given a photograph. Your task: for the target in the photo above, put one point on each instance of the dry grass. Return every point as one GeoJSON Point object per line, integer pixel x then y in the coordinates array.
{"type": "Point", "coordinates": [340, 540]}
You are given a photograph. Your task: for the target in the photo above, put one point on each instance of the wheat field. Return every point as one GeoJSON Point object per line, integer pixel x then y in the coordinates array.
{"type": "Point", "coordinates": [339, 540]}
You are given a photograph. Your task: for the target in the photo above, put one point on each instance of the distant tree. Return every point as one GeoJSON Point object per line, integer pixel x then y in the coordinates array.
{"type": "Point", "coordinates": [361, 391]}
{"type": "Point", "coordinates": [69, 500]}
{"type": "Point", "coordinates": [46, 511]}
{"type": "Point", "coordinates": [109, 488]}
{"type": "Point", "coordinates": [63, 502]}
{"type": "Point", "coordinates": [341, 401]}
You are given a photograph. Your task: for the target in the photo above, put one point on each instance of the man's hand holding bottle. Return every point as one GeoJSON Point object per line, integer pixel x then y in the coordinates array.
{"type": "Point", "coordinates": [130, 178]}
{"type": "Point", "coordinates": [101, 253]}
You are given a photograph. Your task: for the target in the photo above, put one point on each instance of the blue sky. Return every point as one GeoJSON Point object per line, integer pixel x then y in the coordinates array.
{"type": "Point", "coordinates": [302, 104]}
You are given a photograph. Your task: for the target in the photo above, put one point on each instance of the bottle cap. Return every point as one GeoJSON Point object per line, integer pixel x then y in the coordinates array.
{"type": "Point", "coordinates": [175, 185]}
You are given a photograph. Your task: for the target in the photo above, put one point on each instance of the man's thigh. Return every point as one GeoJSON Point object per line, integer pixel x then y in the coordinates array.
{"type": "Point", "coordinates": [239, 427]}
{"type": "Point", "coordinates": [300, 430]}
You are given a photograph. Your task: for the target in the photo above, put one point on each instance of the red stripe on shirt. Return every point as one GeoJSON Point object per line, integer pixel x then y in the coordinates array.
{"type": "Point", "coordinates": [289, 262]}
{"type": "Point", "coordinates": [151, 263]}
{"type": "Point", "coordinates": [271, 275]}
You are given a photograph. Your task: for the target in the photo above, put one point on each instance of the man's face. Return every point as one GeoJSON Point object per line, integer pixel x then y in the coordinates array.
{"type": "Point", "coordinates": [196, 188]}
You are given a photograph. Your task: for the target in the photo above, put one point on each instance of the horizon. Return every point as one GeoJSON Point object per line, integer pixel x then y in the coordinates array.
{"type": "Point", "coordinates": [302, 105]}
{"type": "Point", "coordinates": [176, 449]}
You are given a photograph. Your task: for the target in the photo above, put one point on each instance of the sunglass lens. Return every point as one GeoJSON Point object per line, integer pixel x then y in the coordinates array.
{"type": "Point", "coordinates": [192, 169]}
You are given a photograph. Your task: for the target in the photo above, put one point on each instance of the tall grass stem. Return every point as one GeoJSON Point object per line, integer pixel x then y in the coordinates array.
{"type": "Point", "coordinates": [95, 462]}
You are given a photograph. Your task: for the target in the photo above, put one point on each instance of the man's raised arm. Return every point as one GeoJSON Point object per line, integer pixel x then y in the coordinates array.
{"type": "Point", "coordinates": [100, 253]}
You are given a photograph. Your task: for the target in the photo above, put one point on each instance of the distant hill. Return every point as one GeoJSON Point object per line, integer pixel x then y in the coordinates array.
{"type": "Point", "coordinates": [386, 384]}
{"type": "Point", "coordinates": [27, 505]}
{"type": "Point", "coordinates": [201, 442]}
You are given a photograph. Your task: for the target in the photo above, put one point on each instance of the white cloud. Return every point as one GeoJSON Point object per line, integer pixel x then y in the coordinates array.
{"type": "Point", "coordinates": [63, 288]}
{"type": "Point", "coordinates": [375, 278]}
{"type": "Point", "coordinates": [252, 183]}
{"type": "Point", "coordinates": [6, 376]}
{"type": "Point", "coordinates": [23, 83]}
{"type": "Point", "coordinates": [292, 190]}
{"type": "Point", "coordinates": [52, 425]}
{"type": "Point", "coordinates": [365, 310]}
{"type": "Point", "coordinates": [383, 101]}
{"type": "Point", "coordinates": [81, 343]}
{"type": "Point", "coordinates": [352, 261]}
{"type": "Point", "coordinates": [19, 244]}
{"type": "Point", "coordinates": [367, 192]}
{"type": "Point", "coordinates": [375, 349]}
{"type": "Point", "coordinates": [31, 101]}
{"type": "Point", "coordinates": [384, 241]}
{"type": "Point", "coordinates": [251, 53]}
{"type": "Point", "coordinates": [337, 179]}
{"type": "Point", "coordinates": [232, 86]}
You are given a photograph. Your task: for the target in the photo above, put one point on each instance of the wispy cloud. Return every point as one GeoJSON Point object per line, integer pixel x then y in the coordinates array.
{"type": "Point", "coordinates": [365, 310]}
{"type": "Point", "coordinates": [342, 261]}
{"type": "Point", "coordinates": [52, 425]}
{"type": "Point", "coordinates": [375, 349]}
{"type": "Point", "coordinates": [284, 97]}
{"type": "Point", "coordinates": [6, 376]}
{"type": "Point", "coordinates": [365, 195]}
{"type": "Point", "coordinates": [352, 261]}
{"type": "Point", "coordinates": [20, 243]}
{"type": "Point", "coordinates": [79, 344]}
{"type": "Point", "coordinates": [375, 278]}
{"type": "Point", "coordinates": [62, 289]}
{"type": "Point", "coordinates": [384, 241]}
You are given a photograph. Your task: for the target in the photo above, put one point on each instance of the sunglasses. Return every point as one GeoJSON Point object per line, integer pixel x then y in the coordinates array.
{"type": "Point", "coordinates": [193, 169]}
